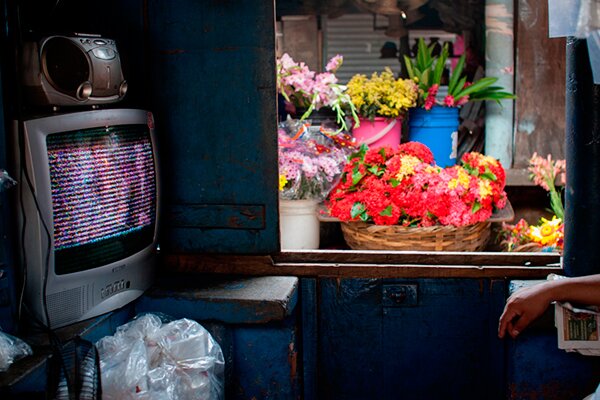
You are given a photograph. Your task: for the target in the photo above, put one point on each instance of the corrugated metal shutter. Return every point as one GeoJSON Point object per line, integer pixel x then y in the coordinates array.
{"type": "Point", "coordinates": [353, 36]}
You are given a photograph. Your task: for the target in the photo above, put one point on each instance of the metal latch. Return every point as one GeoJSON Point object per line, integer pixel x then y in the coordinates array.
{"type": "Point", "coordinates": [400, 295]}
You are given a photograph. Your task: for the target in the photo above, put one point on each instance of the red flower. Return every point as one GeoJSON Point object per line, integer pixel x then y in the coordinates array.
{"type": "Point", "coordinates": [402, 187]}
{"type": "Point", "coordinates": [418, 150]}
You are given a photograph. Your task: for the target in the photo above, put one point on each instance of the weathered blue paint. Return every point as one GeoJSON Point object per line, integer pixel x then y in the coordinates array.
{"type": "Point", "coordinates": [214, 97]}
{"type": "Point", "coordinates": [265, 360]}
{"type": "Point", "coordinates": [310, 337]}
{"type": "Point", "coordinates": [249, 300]}
{"type": "Point", "coordinates": [443, 347]}
{"type": "Point", "coordinates": [350, 339]}
{"type": "Point", "coordinates": [582, 197]}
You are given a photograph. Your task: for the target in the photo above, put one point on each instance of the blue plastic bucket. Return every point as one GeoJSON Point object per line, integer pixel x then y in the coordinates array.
{"type": "Point", "coordinates": [436, 129]}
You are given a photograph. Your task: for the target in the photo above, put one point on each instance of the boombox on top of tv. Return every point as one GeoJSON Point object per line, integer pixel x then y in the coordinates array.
{"type": "Point", "coordinates": [72, 70]}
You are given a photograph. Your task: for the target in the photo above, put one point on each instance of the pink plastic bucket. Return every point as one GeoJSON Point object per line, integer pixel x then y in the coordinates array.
{"type": "Point", "coordinates": [379, 132]}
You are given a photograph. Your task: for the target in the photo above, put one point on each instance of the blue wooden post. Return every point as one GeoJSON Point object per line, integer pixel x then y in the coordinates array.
{"type": "Point", "coordinates": [499, 21]}
{"type": "Point", "coordinates": [582, 199]}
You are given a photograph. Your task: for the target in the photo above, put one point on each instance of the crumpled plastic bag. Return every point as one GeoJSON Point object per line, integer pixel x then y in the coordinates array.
{"type": "Point", "coordinates": [149, 359]}
{"type": "Point", "coordinates": [11, 349]}
{"type": "Point", "coordinates": [311, 161]}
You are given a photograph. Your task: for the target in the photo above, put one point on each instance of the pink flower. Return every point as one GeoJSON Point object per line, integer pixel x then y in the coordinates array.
{"type": "Point", "coordinates": [462, 101]}
{"type": "Point", "coordinates": [431, 93]}
{"type": "Point", "coordinates": [449, 101]}
{"type": "Point", "coordinates": [334, 63]}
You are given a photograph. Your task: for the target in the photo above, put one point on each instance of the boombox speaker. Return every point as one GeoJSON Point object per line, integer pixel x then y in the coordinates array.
{"type": "Point", "coordinates": [72, 70]}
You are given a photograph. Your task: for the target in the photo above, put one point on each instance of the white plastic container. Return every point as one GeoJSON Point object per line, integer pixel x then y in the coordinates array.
{"type": "Point", "coordinates": [298, 224]}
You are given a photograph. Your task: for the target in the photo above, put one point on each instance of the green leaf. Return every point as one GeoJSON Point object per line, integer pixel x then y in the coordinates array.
{"type": "Point", "coordinates": [459, 86]}
{"type": "Point", "coordinates": [373, 169]}
{"type": "Point", "coordinates": [492, 95]}
{"type": "Point", "coordinates": [409, 67]}
{"type": "Point", "coordinates": [489, 175]}
{"type": "Point", "coordinates": [394, 182]}
{"type": "Point", "coordinates": [477, 86]}
{"type": "Point", "coordinates": [423, 55]}
{"type": "Point", "coordinates": [357, 209]}
{"type": "Point", "coordinates": [424, 79]}
{"type": "Point", "coordinates": [360, 153]}
{"type": "Point", "coordinates": [456, 73]}
{"type": "Point", "coordinates": [439, 67]}
{"type": "Point", "coordinates": [476, 207]}
{"type": "Point", "coordinates": [387, 212]}
{"type": "Point", "coordinates": [356, 176]}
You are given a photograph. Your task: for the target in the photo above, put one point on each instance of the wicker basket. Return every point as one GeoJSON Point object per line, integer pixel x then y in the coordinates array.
{"type": "Point", "coordinates": [363, 236]}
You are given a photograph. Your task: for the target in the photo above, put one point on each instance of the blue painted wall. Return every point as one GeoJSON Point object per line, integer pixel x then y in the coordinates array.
{"type": "Point", "coordinates": [213, 86]}
{"type": "Point", "coordinates": [439, 344]}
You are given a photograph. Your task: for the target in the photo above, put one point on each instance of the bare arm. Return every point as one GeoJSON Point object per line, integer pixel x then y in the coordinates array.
{"type": "Point", "coordinates": [527, 304]}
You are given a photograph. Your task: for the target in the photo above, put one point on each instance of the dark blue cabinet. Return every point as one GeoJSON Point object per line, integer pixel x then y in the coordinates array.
{"type": "Point", "coordinates": [436, 339]}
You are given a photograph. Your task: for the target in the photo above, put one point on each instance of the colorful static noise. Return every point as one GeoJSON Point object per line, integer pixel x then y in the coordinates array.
{"type": "Point", "coordinates": [103, 183]}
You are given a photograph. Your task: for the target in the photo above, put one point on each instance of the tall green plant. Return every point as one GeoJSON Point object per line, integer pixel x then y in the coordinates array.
{"type": "Point", "coordinates": [427, 70]}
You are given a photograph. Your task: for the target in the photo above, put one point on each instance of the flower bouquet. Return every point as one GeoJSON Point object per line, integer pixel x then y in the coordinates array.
{"type": "Point", "coordinates": [427, 70]}
{"type": "Point", "coordinates": [309, 166]}
{"type": "Point", "coordinates": [382, 95]}
{"type": "Point", "coordinates": [398, 199]}
{"type": "Point", "coordinates": [308, 91]}
{"type": "Point", "coordinates": [435, 120]}
{"type": "Point", "coordinates": [381, 102]}
{"type": "Point", "coordinates": [548, 234]}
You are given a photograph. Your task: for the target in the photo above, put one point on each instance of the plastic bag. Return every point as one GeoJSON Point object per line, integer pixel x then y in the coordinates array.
{"type": "Point", "coordinates": [310, 160]}
{"type": "Point", "coordinates": [581, 19]}
{"type": "Point", "coordinates": [6, 181]}
{"type": "Point", "coordinates": [588, 18]}
{"type": "Point", "coordinates": [11, 349]}
{"type": "Point", "coordinates": [149, 359]}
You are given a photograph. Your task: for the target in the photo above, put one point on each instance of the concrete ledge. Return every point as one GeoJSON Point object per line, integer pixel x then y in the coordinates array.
{"type": "Point", "coordinates": [229, 300]}
{"type": "Point", "coordinates": [520, 177]}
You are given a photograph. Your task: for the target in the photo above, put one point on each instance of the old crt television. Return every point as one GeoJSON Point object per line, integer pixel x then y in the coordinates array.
{"type": "Point", "coordinates": [88, 205]}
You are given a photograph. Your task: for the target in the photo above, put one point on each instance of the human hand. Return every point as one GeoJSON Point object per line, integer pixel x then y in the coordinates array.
{"type": "Point", "coordinates": [523, 307]}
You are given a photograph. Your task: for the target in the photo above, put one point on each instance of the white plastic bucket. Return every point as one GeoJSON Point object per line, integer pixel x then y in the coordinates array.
{"type": "Point", "coordinates": [298, 224]}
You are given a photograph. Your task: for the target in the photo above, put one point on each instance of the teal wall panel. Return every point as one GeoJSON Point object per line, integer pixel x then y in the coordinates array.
{"type": "Point", "coordinates": [214, 98]}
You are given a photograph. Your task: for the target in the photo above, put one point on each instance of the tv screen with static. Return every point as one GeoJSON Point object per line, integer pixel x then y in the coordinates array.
{"type": "Point", "coordinates": [103, 195]}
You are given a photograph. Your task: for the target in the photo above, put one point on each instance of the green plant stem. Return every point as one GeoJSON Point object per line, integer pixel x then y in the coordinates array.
{"type": "Point", "coordinates": [556, 204]}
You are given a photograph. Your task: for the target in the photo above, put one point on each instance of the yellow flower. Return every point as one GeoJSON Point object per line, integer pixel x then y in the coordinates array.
{"type": "Point", "coordinates": [382, 95]}
{"type": "Point", "coordinates": [547, 233]}
{"type": "Point", "coordinates": [485, 188]}
{"type": "Point", "coordinates": [462, 179]}
{"type": "Point", "coordinates": [407, 167]}
{"type": "Point", "coordinates": [282, 182]}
